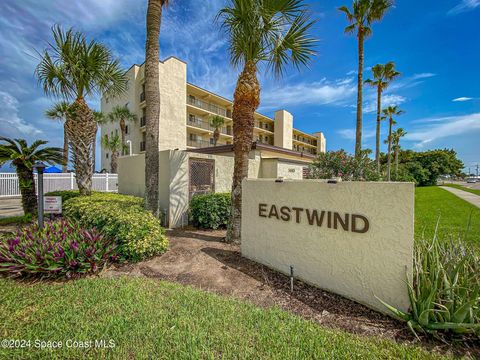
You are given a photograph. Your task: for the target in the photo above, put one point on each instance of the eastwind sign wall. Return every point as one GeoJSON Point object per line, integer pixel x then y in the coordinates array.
{"type": "Point", "coordinates": [351, 238]}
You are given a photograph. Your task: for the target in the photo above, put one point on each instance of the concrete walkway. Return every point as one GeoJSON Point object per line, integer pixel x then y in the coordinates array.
{"type": "Point", "coordinates": [465, 195]}
{"type": "Point", "coordinates": [10, 207]}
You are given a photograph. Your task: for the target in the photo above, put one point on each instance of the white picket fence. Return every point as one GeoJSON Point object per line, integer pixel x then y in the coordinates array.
{"type": "Point", "coordinates": [54, 182]}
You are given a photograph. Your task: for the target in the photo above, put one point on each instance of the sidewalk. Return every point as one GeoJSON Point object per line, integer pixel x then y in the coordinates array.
{"type": "Point", "coordinates": [464, 195]}
{"type": "Point", "coordinates": [10, 207]}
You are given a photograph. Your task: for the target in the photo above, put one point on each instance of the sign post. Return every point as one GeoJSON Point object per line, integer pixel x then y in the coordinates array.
{"type": "Point", "coordinates": [40, 167]}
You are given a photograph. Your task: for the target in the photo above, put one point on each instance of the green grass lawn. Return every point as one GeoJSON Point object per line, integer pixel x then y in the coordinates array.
{"type": "Point", "coordinates": [464, 188]}
{"type": "Point", "coordinates": [432, 202]}
{"type": "Point", "coordinates": [153, 319]}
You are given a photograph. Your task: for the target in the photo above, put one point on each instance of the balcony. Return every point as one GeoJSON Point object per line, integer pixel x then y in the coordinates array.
{"type": "Point", "coordinates": [305, 140]}
{"type": "Point", "coordinates": [263, 126]}
{"type": "Point", "coordinates": [202, 124]}
{"type": "Point", "coordinates": [208, 107]}
{"type": "Point", "coordinates": [198, 143]}
{"type": "Point", "coordinates": [142, 97]}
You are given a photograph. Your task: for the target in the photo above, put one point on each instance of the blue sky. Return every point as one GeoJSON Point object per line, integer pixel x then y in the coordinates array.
{"type": "Point", "coordinates": [434, 44]}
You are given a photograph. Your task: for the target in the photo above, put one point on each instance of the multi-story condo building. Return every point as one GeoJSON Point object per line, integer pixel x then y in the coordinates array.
{"type": "Point", "coordinates": [185, 114]}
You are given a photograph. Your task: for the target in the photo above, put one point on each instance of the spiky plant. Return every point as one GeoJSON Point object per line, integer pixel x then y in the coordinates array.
{"type": "Point", "coordinates": [23, 157]}
{"type": "Point", "coordinates": [363, 14]}
{"type": "Point", "coordinates": [122, 115]}
{"type": "Point", "coordinates": [382, 76]}
{"type": "Point", "coordinates": [275, 33]}
{"type": "Point", "coordinates": [73, 68]}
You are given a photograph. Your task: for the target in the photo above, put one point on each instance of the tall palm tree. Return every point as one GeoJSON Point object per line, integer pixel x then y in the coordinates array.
{"type": "Point", "coordinates": [382, 76]}
{"type": "Point", "coordinates": [389, 113]}
{"type": "Point", "coordinates": [396, 136]}
{"type": "Point", "coordinates": [274, 32]}
{"type": "Point", "coordinates": [73, 68]}
{"type": "Point", "coordinates": [23, 157]}
{"type": "Point", "coordinates": [152, 100]}
{"type": "Point", "coordinates": [122, 115]}
{"type": "Point", "coordinates": [216, 121]}
{"type": "Point", "coordinates": [114, 145]}
{"type": "Point", "coordinates": [361, 17]}
{"type": "Point", "coordinates": [59, 111]}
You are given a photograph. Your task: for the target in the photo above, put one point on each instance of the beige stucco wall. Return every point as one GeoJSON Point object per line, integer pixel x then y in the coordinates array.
{"type": "Point", "coordinates": [358, 266]}
{"type": "Point", "coordinates": [274, 168]}
{"type": "Point", "coordinates": [131, 175]}
{"type": "Point", "coordinates": [283, 131]}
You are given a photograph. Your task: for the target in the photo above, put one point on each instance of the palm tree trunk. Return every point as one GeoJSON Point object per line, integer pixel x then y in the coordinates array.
{"type": "Point", "coordinates": [216, 135]}
{"type": "Point", "coordinates": [396, 161]}
{"type": "Point", "coordinates": [81, 129]}
{"type": "Point", "coordinates": [389, 161]}
{"type": "Point", "coordinates": [358, 136]}
{"type": "Point", "coordinates": [27, 189]}
{"type": "Point", "coordinates": [65, 150]}
{"type": "Point", "coordinates": [123, 131]}
{"type": "Point", "coordinates": [114, 162]}
{"type": "Point", "coordinates": [94, 149]}
{"type": "Point", "coordinates": [377, 140]}
{"type": "Point", "coordinates": [152, 98]}
{"type": "Point", "coordinates": [246, 101]}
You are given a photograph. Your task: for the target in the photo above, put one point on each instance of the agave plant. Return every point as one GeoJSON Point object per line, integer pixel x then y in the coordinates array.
{"type": "Point", "coordinates": [445, 292]}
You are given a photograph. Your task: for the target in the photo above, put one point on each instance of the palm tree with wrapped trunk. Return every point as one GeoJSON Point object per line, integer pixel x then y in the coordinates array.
{"type": "Point", "coordinates": [382, 76]}
{"type": "Point", "coordinates": [122, 115]}
{"type": "Point", "coordinates": [273, 32]}
{"type": "Point", "coordinates": [23, 157]}
{"type": "Point", "coordinates": [389, 113]}
{"type": "Point", "coordinates": [59, 111]}
{"type": "Point", "coordinates": [73, 68]}
{"type": "Point", "coordinates": [361, 17]}
{"type": "Point", "coordinates": [152, 102]}
{"type": "Point", "coordinates": [216, 122]}
{"type": "Point", "coordinates": [396, 136]}
{"type": "Point", "coordinates": [114, 145]}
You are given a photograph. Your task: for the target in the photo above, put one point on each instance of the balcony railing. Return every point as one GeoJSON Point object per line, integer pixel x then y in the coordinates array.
{"type": "Point", "coordinates": [209, 107]}
{"type": "Point", "coordinates": [142, 97]}
{"type": "Point", "coordinates": [198, 143]}
{"type": "Point", "coordinates": [259, 125]}
{"type": "Point", "coordinates": [305, 140]}
{"type": "Point", "coordinates": [199, 123]}
{"type": "Point", "coordinates": [143, 121]}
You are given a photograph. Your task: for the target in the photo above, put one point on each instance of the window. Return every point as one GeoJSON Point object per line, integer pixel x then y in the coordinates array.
{"type": "Point", "coordinates": [191, 99]}
{"type": "Point", "coordinates": [106, 155]}
{"type": "Point", "coordinates": [191, 118]}
{"type": "Point", "coordinates": [211, 141]}
{"type": "Point", "coordinates": [126, 129]}
{"type": "Point", "coordinates": [266, 126]}
{"type": "Point", "coordinates": [193, 137]}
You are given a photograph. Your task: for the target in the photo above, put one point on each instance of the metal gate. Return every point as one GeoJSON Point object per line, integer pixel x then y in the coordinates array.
{"type": "Point", "coordinates": [201, 176]}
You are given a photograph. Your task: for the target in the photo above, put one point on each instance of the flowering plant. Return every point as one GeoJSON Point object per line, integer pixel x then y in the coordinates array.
{"type": "Point", "coordinates": [60, 249]}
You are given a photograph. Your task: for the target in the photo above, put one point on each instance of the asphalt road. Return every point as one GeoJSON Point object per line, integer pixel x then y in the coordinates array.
{"type": "Point", "coordinates": [10, 207]}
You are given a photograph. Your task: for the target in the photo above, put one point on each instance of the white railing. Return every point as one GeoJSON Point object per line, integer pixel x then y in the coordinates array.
{"type": "Point", "coordinates": [54, 182]}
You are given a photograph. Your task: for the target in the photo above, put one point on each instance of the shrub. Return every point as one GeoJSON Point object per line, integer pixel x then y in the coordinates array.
{"type": "Point", "coordinates": [60, 249]}
{"type": "Point", "coordinates": [445, 296]}
{"type": "Point", "coordinates": [123, 218]}
{"type": "Point", "coordinates": [22, 219]}
{"type": "Point", "coordinates": [211, 211]}
{"type": "Point", "coordinates": [65, 194]}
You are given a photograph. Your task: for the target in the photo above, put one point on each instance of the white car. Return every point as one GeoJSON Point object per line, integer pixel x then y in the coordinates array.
{"type": "Point", "coordinates": [471, 180]}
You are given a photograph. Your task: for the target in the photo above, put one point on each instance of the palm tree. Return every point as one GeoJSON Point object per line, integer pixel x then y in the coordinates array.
{"type": "Point", "coordinates": [23, 157]}
{"type": "Point", "coordinates": [59, 111]}
{"type": "Point", "coordinates": [382, 76]}
{"type": "Point", "coordinates": [122, 115]}
{"type": "Point", "coordinates": [363, 14]}
{"type": "Point", "coordinates": [389, 113]}
{"type": "Point", "coordinates": [152, 100]}
{"type": "Point", "coordinates": [274, 32]}
{"type": "Point", "coordinates": [396, 136]}
{"type": "Point", "coordinates": [73, 68]}
{"type": "Point", "coordinates": [114, 144]}
{"type": "Point", "coordinates": [216, 121]}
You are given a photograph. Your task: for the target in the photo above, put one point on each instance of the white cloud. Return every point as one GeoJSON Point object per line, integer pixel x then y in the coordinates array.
{"type": "Point", "coordinates": [321, 92]}
{"type": "Point", "coordinates": [387, 100]}
{"type": "Point", "coordinates": [432, 129]}
{"type": "Point", "coordinates": [350, 134]}
{"type": "Point", "coordinates": [425, 75]}
{"type": "Point", "coordinates": [464, 6]}
{"type": "Point", "coordinates": [462, 99]}
{"type": "Point", "coordinates": [12, 125]}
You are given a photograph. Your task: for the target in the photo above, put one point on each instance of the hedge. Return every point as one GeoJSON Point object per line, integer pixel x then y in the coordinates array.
{"type": "Point", "coordinates": [211, 211]}
{"type": "Point", "coordinates": [123, 218]}
{"type": "Point", "coordinates": [65, 194]}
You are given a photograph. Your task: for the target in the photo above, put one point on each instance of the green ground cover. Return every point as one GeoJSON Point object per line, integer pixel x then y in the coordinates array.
{"type": "Point", "coordinates": [153, 319]}
{"type": "Point", "coordinates": [22, 219]}
{"type": "Point", "coordinates": [432, 202]}
{"type": "Point", "coordinates": [464, 188]}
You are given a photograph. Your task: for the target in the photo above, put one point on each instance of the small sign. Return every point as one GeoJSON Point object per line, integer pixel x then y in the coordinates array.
{"type": "Point", "coordinates": [52, 204]}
